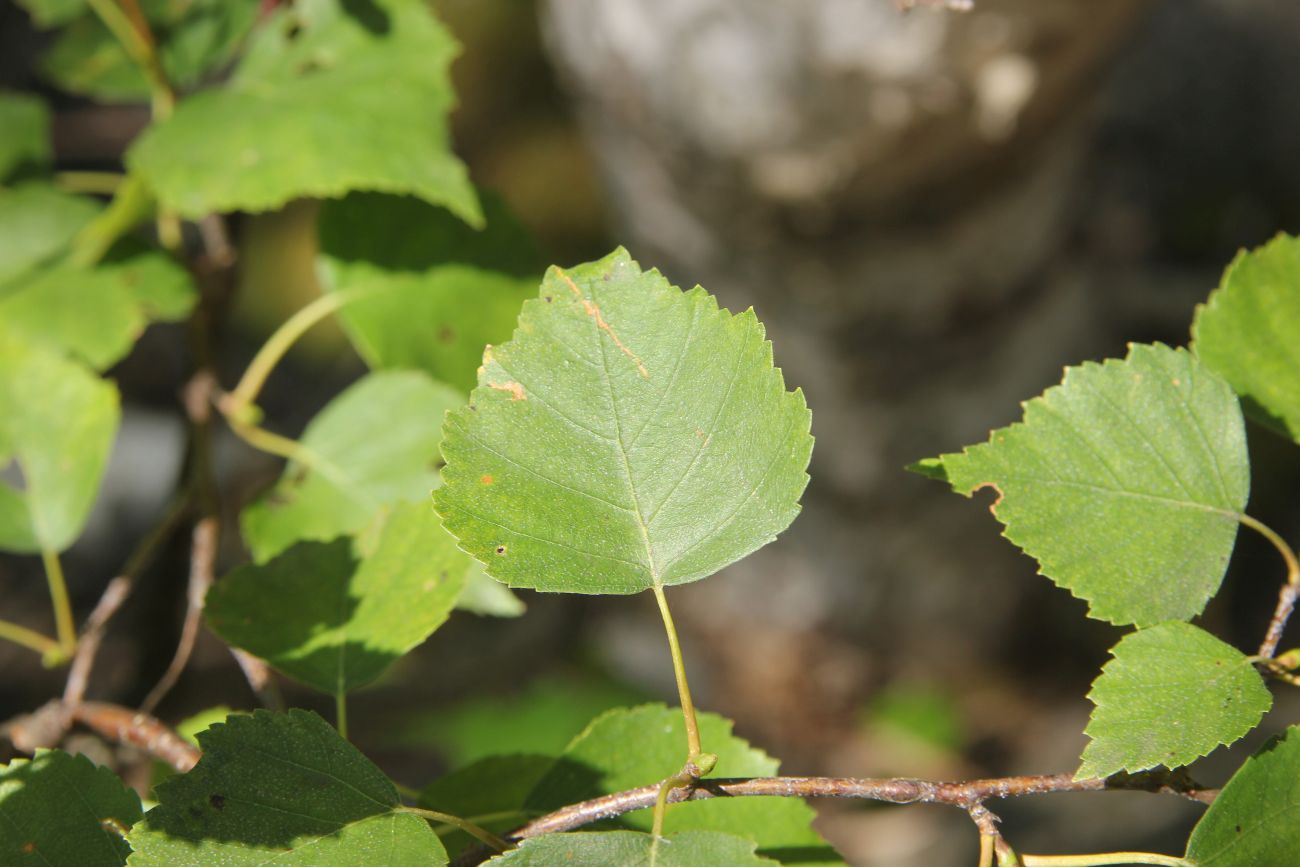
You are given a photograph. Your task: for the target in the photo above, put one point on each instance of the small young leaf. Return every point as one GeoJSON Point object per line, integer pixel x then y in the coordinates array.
{"type": "Point", "coordinates": [630, 434]}
{"type": "Point", "coordinates": [59, 810]}
{"type": "Point", "coordinates": [1248, 332]}
{"type": "Point", "coordinates": [1255, 819]}
{"type": "Point", "coordinates": [1171, 694]}
{"type": "Point", "coordinates": [57, 421]}
{"type": "Point", "coordinates": [630, 849]}
{"type": "Point", "coordinates": [37, 221]}
{"type": "Point", "coordinates": [1125, 482]}
{"type": "Point", "coordinates": [599, 762]}
{"type": "Point", "coordinates": [334, 621]}
{"type": "Point", "coordinates": [282, 789]}
{"type": "Point", "coordinates": [373, 445]}
{"type": "Point", "coordinates": [97, 313]}
{"type": "Point", "coordinates": [312, 111]}
{"type": "Point", "coordinates": [196, 38]}
{"type": "Point", "coordinates": [26, 123]}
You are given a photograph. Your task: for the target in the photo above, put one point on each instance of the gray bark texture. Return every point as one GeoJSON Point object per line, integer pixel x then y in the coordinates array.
{"type": "Point", "coordinates": [932, 213]}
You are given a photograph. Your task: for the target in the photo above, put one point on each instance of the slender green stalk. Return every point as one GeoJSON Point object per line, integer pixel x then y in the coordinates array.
{"type": "Point", "coordinates": [266, 441]}
{"type": "Point", "coordinates": [45, 646]}
{"type": "Point", "coordinates": [481, 834]}
{"type": "Point", "coordinates": [100, 183]}
{"type": "Point", "coordinates": [250, 384]}
{"type": "Point", "coordinates": [1288, 555]}
{"type": "Point", "coordinates": [679, 671]}
{"type": "Point", "coordinates": [127, 23]}
{"type": "Point", "coordinates": [132, 205]}
{"type": "Point", "coordinates": [341, 713]}
{"type": "Point", "coordinates": [64, 626]}
{"type": "Point", "coordinates": [1103, 859]}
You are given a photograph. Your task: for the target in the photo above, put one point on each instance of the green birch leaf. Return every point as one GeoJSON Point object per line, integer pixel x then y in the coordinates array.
{"type": "Point", "coordinates": [1125, 482]}
{"type": "Point", "coordinates": [373, 445]}
{"type": "Point", "coordinates": [36, 222]}
{"type": "Point", "coordinates": [50, 13]}
{"type": "Point", "coordinates": [599, 762]}
{"type": "Point", "coordinates": [334, 620]}
{"type": "Point", "coordinates": [490, 792]}
{"type": "Point", "coordinates": [1248, 332]}
{"type": "Point", "coordinates": [437, 290]}
{"type": "Point", "coordinates": [98, 313]}
{"type": "Point", "coordinates": [59, 810]}
{"type": "Point", "coordinates": [629, 435]}
{"type": "Point", "coordinates": [1256, 817]}
{"type": "Point", "coordinates": [282, 789]}
{"type": "Point", "coordinates": [195, 39]}
{"type": "Point", "coordinates": [303, 116]}
{"type": "Point", "coordinates": [26, 139]}
{"type": "Point", "coordinates": [630, 849]}
{"type": "Point", "coordinates": [57, 422]}
{"type": "Point", "coordinates": [1171, 694]}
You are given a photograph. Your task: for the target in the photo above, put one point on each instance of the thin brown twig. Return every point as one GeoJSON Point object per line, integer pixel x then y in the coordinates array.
{"type": "Point", "coordinates": [1286, 600]}
{"type": "Point", "coordinates": [968, 795]}
{"type": "Point", "coordinates": [137, 729]}
{"type": "Point", "coordinates": [203, 557]}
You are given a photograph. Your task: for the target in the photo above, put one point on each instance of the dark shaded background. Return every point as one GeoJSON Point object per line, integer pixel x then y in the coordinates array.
{"type": "Point", "coordinates": [932, 214]}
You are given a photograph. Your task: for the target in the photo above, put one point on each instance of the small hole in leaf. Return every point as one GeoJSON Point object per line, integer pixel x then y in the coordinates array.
{"type": "Point", "coordinates": [547, 298]}
{"type": "Point", "coordinates": [218, 802]}
{"type": "Point", "coordinates": [501, 549]}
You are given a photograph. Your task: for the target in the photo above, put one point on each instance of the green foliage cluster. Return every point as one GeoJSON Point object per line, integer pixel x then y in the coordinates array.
{"type": "Point", "coordinates": [606, 433]}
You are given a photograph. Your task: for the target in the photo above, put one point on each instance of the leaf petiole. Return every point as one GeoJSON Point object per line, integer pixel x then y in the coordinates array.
{"type": "Point", "coordinates": [679, 671]}
{"type": "Point", "coordinates": [481, 834]}
{"type": "Point", "coordinates": [66, 631]}
{"type": "Point", "coordinates": [47, 647]}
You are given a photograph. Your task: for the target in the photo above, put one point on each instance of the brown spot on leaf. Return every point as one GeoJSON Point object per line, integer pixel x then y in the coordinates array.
{"type": "Point", "coordinates": [486, 479]}
{"type": "Point", "coordinates": [446, 334]}
{"type": "Point", "coordinates": [29, 847]}
{"type": "Point", "coordinates": [501, 549]}
{"type": "Point", "coordinates": [594, 312]}
{"type": "Point", "coordinates": [218, 802]}
{"type": "Point", "coordinates": [547, 298]}
{"type": "Point", "coordinates": [515, 390]}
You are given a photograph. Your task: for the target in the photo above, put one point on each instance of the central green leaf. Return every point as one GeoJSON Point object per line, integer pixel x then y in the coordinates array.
{"type": "Point", "coordinates": [629, 435]}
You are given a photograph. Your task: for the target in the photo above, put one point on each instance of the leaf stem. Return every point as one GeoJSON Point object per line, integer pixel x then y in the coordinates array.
{"type": "Point", "coordinates": [1290, 591]}
{"type": "Point", "coordinates": [255, 376]}
{"type": "Point", "coordinates": [127, 23]}
{"type": "Point", "coordinates": [132, 205]}
{"type": "Point", "coordinates": [101, 183]}
{"type": "Point", "coordinates": [481, 834]}
{"type": "Point", "coordinates": [341, 713]}
{"type": "Point", "coordinates": [679, 671]}
{"type": "Point", "coordinates": [64, 627]}
{"type": "Point", "coordinates": [44, 645]}
{"type": "Point", "coordinates": [1103, 859]}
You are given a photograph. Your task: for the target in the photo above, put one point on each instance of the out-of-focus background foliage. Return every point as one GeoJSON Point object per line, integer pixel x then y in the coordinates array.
{"type": "Point", "coordinates": [932, 213]}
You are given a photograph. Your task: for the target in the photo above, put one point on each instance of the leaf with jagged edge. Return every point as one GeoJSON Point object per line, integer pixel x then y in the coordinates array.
{"type": "Point", "coordinates": [281, 788]}
{"type": "Point", "coordinates": [1248, 332]}
{"type": "Point", "coordinates": [435, 290]}
{"type": "Point", "coordinates": [194, 40]}
{"type": "Point", "coordinates": [628, 435]}
{"type": "Point", "coordinates": [374, 444]}
{"type": "Point", "coordinates": [26, 125]}
{"type": "Point", "coordinates": [600, 761]}
{"type": "Point", "coordinates": [1171, 694]}
{"type": "Point", "coordinates": [312, 111]}
{"type": "Point", "coordinates": [98, 312]}
{"type": "Point", "coordinates": [57, 423]}
{"type": "Point", "coordinates": [630, 849]}
{"type": "Point", "coordinates": [36, 222]}
{"type": "Point", "coordinates": [1126, 482]}
{"type": "Point", "coordinates": [334, 617]}
{"type": "Point", "coordinates": [1256, 817]}
{"type": "Point", "coordinates": [58, 810]}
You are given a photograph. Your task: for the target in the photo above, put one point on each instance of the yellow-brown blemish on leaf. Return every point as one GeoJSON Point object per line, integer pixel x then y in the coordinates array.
{"type": "Point", "coordinates": [486, 479]}
{"type": "Point", "coordinates": [594, 312]}
{"type": "Point", "coordinates": [29, 847]}
{"type": "Point", "coordinates": [514, 389]}
{"type": "Point", "coordinates": [993, 507]}
{"type": "Point", "coordinates": [501, 550]}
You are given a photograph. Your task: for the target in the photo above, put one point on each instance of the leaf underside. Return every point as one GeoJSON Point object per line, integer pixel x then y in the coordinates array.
{"type": "Point", "coordinates": [1125, 482]}
{"type": "Point", "coordinates": [1171, 694]}
{"type": "Point", "coordinates": [629, 434]}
